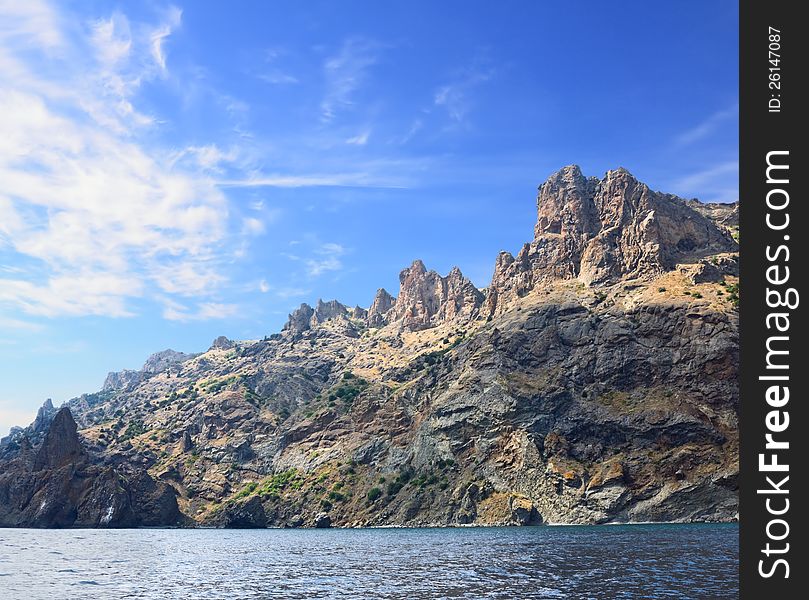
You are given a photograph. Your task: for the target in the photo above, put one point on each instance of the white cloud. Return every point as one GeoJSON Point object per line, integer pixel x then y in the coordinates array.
{"type": "Point", "coordinates": [31, 24]}
{"type": "Point", "coordinates": [101, 216]}
{"type": "Point", "coordinates": [204, 311]}
{"type": "Point", "coordinates": [415, 127]}
{"type": "Point", "coordinates": [253, 226]}
{"type": "Point", "coordinates": [345, 72]}
{"type": "Point", "coordinates": [209, 157]}
{"type": "Point", "coordinates": [292, 292]}
{"type": "Point", "coordinates": [328, 259]}
{"type": "Point", "coordinates": [455, 96]}
{"type": "Point", "coordinates": [360, 139]}
{"type": "Point", "coordinates": [121, 68]}
{"type": "Point", "coordinates": [708, 126]}
{"type": "Point", "coordinates": [278, 180]}
{"type": "Point", "coordinates": [263, 286]}
{"type": "Point", "coordinates": [159, 35]}
{"type": "Point", "coordinates": [698, 180]}
{"type": "Point", "coordinates": [88, 293]}
{"type": "Point", "coordinates": [10, 323]}
{"type": "Point", "coordinates": [717, 183]}
{"type": "Point", "coordinates": [276, 77]}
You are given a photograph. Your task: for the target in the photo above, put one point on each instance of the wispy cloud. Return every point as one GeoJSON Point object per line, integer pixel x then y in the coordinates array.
{"type": "Point", "coordinates": [344, 73]}
{"type": "Point", "coordinates": [708, 126]}
{"type": "Point", "coordinates": [273, 73]}
{"type": "Point", "coordinates": [415, 127]}
{"type": "Point", "coordinates": [126, 57]}
{"type": "Point", "coordinates": [456, 96]}
{"type": "Point", "coordinates": [159, 35]}
{"type": "Point", "coordinates": [204, 311]}
{"type": "Point", "coordinates": [328, 259]}
{"type": "Point", "coordinates": [99, 215]}
{"type": "Point", "coordinates": [9, 323]}
{"type": "Point", "coordinates": [30, 24]}
{"type": "Point", "coordinates": [316, 180]}
{"type": "Point", "coordinates": [360, 139]}
{"type": "Point", "coordinates": [285, 293]}
{"type": "Point", "coordinates": [717, 183]}
{"type": "Point", "coordinates": [208, 157]}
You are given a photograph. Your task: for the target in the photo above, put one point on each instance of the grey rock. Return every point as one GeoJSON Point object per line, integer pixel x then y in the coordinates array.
{"type": "Point", "coordinates": [222, 343]}
{"type": "Point", "coordinates": [161, 361]}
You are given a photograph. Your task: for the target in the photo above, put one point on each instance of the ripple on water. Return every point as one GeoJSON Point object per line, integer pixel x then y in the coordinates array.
{"type": "Point", "coordinates": [642, 561]}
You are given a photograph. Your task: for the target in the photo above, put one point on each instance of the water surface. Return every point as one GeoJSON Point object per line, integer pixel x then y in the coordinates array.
{"type": "Point", "coordinates": [637, 561]}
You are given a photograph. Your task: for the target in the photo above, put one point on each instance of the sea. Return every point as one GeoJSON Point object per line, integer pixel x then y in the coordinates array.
{"type": "Point", "coordinates": [577, 562]}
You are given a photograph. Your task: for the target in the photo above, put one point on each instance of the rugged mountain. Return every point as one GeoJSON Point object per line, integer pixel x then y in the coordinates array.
{"type": "Point", "coordinates": [594, 380]}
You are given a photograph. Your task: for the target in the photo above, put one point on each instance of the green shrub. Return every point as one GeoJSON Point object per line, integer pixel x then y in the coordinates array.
{"type": "Point", "coordinates": [247, 490]}
{"type": "Point", "coordinates": [133, 429]}
{"type": "Point", "coordinates": [374, 494]}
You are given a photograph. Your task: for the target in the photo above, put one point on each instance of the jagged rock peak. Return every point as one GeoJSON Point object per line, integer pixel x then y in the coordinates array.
{"type": "Point", "coordinates": [44, 416]}
{"type": "Point", "coordinates": [119, 380]}
{"type": "Point", "coordinates": [426, 298]}
{"type": "Point", "coordinates": [382, 303]}
{"type": "Point", "coordinates": [160, 361]}
{"type": "Point", "coordinates": [222, 343]}
{"type": "Point", "coordinates": [305, 317]}
{"type": "Point", "coordinates": [603, 231]}
{"type": "Point", "coordinates": [564, 204]}
{"type": "Point", "coordinates": [299, 319]}
{"type": "Point", "coordinates": [61, 445]}
{"type": "Point", "coordinates": [358, 312]}
{"type": "Point", "coordinates": [328, 310]}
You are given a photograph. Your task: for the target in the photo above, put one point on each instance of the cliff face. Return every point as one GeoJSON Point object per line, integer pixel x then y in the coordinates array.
{"type": "Point", "coordinates": [603, 232]}
{"type": "Point", "coordinates": [594, 380]}
{"type": "Point", "coordinates": [57, 485]}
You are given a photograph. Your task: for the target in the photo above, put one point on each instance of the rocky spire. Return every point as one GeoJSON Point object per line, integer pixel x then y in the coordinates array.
{"type": "Point", "coordinates": [222, 343]}
{"type": "Point", "coordinates": [61, 445]}
{"type": "Point", "coordinates": [565, 206]}
{"type": "Point", "coordinates": [358, 312]}
{"type": "Point", "coordinates": [44, 416]}
{"type": "Point", "coordinates": [325, 311]}
{"type": "Point", "coordinates": [299, 319]}
{"type": "Point", "coordinates": [426, 299]}
{"type": "Point", "coordinates": [382, 303]}
{"type": "Point", "coordinates": [600, 231]}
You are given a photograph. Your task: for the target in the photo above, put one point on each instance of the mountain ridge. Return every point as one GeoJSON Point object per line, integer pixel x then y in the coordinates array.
{"type": "Point", "coordinates": [593, 380]}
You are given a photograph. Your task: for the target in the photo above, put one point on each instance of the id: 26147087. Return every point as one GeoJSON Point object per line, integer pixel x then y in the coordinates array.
{"type": "Point", "coordinates": [774, 37]}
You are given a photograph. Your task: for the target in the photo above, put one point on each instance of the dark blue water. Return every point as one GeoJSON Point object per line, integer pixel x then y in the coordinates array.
{"type": "Point", "coordinates": [637, 561]}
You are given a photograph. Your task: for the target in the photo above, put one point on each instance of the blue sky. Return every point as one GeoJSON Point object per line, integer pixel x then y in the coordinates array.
{"type": "Point", "coordinates": [174, 172]}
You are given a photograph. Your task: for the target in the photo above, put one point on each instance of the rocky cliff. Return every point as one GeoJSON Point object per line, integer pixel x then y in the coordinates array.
{"type": "Point", "coordinates": [58, 485]}
{"type": "Point", "coordinates": [594, 380]}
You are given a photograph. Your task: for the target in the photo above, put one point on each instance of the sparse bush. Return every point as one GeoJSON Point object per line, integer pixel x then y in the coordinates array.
{"type": "Point", "coordinates": [374, 494]}
{"type": "Point", "coordinates": [133, 429]}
